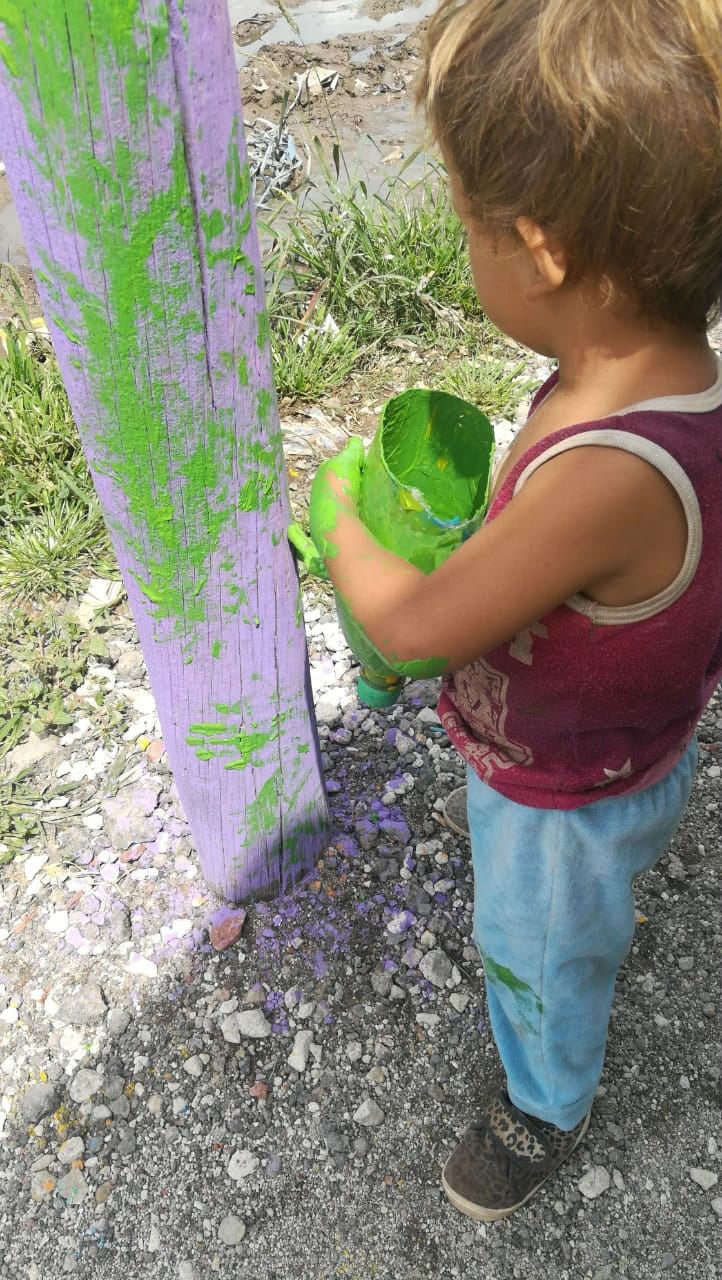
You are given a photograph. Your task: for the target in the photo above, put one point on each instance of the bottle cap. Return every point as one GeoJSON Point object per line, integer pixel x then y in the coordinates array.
{"type": "Point", "coordinates": [372, 696]}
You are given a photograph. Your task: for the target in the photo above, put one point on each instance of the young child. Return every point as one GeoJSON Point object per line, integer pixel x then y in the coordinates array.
{"type": "Point", "coordinates": [579, 632]}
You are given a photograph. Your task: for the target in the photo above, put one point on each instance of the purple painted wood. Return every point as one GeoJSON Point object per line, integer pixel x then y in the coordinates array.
{"type": "Point", "coordinates": [120, 122]}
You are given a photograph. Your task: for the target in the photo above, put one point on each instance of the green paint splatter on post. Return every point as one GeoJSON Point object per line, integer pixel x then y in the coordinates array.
{"type": "Point", "coordinates": [177, 504]}
{"type": "Point", "coordinates": [235, 744]}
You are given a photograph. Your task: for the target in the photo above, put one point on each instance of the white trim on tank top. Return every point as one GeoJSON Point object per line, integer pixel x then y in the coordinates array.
{"type": "Point", "coordinates": [656, 456]}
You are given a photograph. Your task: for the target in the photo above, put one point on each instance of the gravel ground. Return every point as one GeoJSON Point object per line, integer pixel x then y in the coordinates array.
{"type": "Point", "coordinates": [190, 1091]}
{"type": "Point", "coordinates": [280, 1109]}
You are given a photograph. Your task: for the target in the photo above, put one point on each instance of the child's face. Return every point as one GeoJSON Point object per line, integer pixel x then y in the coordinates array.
{"type": "Point", "coordinates": [502, 273]}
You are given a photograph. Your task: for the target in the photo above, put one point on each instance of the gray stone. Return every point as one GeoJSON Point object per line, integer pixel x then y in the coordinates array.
{"type": "Point", "coordinates": [113, 1086]}
{"type": "Point", "coordinates": [253, 1023]}
{"type": "Point", "coordinates": [381, 982]}
{"type": "Point", "coordinates": [369, 1114]}
{"type": "Point", "coordinates": [42, 1186]}
{"type": "Point", "coordinates": [130, 665]}
{"type": "Point", "coordinates": [38, 1101]}
{"type": "Point", "coordinates": [436, 967]}
{"type": "Point", "coordinates": [232, 1230]}
{"type": "Point", "coordinates": [118, 1020]}
{"type": "Point", "coordinates": [72, 1187]}
{"type": "Point", "coordinates": [595, 1182]}
{"type": "Point", "coordinates": [31, 752]}
{"type": "Point", "coordinates": [705, 1178]}
{"type": "Point", "coordinates": [83, 1006]}
{"type": "Point", "coordinates": [84, 1085]}
{"type": "Point", "coordinates": [71, 1150]}
{"type": "Point", "coordinates": [120, 925]}
{"type": "Point", "coordinates": [193, 1066]}
{"type": "Point", "coordinates": [187, 1270]}
{"type": "Point", "coordinates": [242, 1164]}
{"type": "Point", "coordinates": [298, 1056]}
{"type": "Point", "coordinates": [130, 817]}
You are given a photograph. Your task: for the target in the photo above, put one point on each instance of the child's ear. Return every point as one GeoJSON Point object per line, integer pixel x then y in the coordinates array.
{"type": "Point", "coordinates": [549, 260]}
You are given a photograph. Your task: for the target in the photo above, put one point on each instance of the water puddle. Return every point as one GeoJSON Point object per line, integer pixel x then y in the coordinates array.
{"type": "Point", "coordinates": [318, 20]}
{"type": "Point", "coordinates": [315, 21]}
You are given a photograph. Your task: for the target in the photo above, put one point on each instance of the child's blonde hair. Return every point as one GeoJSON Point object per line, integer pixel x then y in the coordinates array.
{"type": "Point", "coordinates": [602, 121]}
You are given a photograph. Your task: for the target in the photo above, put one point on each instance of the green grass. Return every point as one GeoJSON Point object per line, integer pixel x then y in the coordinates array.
{"type": "Point", "coordinates": [487, 383]}
{"type": "Point", "coordinates": [384, 265]}
{"type": "Point", "coordinates": [51, 530]}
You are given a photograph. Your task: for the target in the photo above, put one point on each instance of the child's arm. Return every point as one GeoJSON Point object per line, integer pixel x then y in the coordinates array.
{"type": "Point", "coordinates": [578, 520]}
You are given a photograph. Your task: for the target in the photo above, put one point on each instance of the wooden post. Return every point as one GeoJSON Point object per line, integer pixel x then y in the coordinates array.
{"type": "Point", "coordinates": [120, 121]}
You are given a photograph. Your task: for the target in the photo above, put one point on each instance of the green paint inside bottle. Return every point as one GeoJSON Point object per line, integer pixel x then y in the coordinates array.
{"type": "Point", "coordinates": [424, 491]}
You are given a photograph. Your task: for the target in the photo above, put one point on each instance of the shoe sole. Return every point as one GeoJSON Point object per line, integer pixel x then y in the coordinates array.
{"type": "Point", "coordinates": [457, 822]}
{"type": "Point", "coordinates": [481, 1214]}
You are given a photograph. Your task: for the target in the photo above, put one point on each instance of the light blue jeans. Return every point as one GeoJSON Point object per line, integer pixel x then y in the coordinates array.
{"type": "Point", "coordinates": [553, 921]}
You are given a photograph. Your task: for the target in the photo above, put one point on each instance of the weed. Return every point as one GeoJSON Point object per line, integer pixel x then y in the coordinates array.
{"type": "Point", "coordinates": [50, 655]}
{"type": "Point", "coordinates": [383, 265]}
{"type": "Point", "coordinates": [308, 362]}
{"type": "Point", "coordinates": [18, 823]}
{"type": "Point", "coordinates": [487, 383]}
{"type": "Point", "coordinates": [52, 531]}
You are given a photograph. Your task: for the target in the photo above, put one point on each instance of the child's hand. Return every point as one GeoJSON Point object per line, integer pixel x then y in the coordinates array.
{"type": "Point", "coordinates": [307, 553]}
{"type": "Point", "coordinates": [335, 489]}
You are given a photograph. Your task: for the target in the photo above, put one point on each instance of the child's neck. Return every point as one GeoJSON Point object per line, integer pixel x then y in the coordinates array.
{"type": "Point", "coordinates": [607, 363]}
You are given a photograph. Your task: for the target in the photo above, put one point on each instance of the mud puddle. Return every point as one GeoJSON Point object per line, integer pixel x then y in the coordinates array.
{"type": "Point", "coordinates": [314, 20]}
{"type": "Point", "coordinates": [373, 45]}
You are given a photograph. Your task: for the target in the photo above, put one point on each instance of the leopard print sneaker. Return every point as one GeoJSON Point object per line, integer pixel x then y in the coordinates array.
{"type": "Point", "coordinates": [503, 1159]}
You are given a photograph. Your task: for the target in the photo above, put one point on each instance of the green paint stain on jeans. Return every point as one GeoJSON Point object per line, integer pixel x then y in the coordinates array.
{"type": "Point", "coordinates": [499, 973]}
{"type": "Point", "coordinates": [528, 1004]}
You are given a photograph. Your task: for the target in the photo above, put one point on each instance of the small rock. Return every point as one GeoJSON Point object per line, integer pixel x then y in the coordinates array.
{"type": "Point", "coordinates": [369, 1114]}
{"type": "Point", "coordinates": [241, 1165]}
{"type": "Point", "coordinates": [354, 1050]}
{"type": "Point", "coordinates": [381, 982]}
{"type": "Point", "coordinates": [436, 967]}
{"type": "Point", "coordinates": [42, 1185]}
{"type": "Point", "coordinates": [31, 866]}
{"type": "Point", "coordinates": [252, 1023]}
{"type": "Point", "coordinates": [38, 1101]}
{"type": "Point", "coordinates": [193, 1066]}
{"type": "Point", "coordinates": [298, 1056]}
{"type": "Point", "coordinates": [83, 1006]}
{"type": "Point", "coordinates": [71, 1150]}
{"type": "Point", "coordinates": [72, 1187]}
{"type": "Point", "coordinates": [400, 923]}
{"type": "Point", "coordinates": [140, 966]}
{"type": "Point", "coordinates": [84, 1085]}
{"type": "Point", "coordinates": [232, 1230]}
{"type": "Point", "coordinates": [57, 922]}
{"type": "Point", "coordinates": [595, 1182]}
{"type": "Point", "coordinates": [117, 1024]}
{"type": "Point", "coordinates": [686, 963]}
{"type": "Point", "coordinates": [33, 750]}
{"type": "Point", "coordinates": [705, 1178]}
{"type": "Point", "coordinates": [153, 1239]}
{"type": "Point", "coordinates": [717, 1206]}
{"type": "Point", "coordinates": [459, 1000]}
{"type": "Point", "coordinates": [187, 1270]}
{"type": "Point", "coordinates": [227, 931]}
{"type": "Point", "coordinates": [130, 817]}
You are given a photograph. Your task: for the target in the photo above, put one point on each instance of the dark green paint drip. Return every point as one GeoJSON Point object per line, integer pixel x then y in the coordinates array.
{"type": "Point", "coordinates": [499, 973]}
